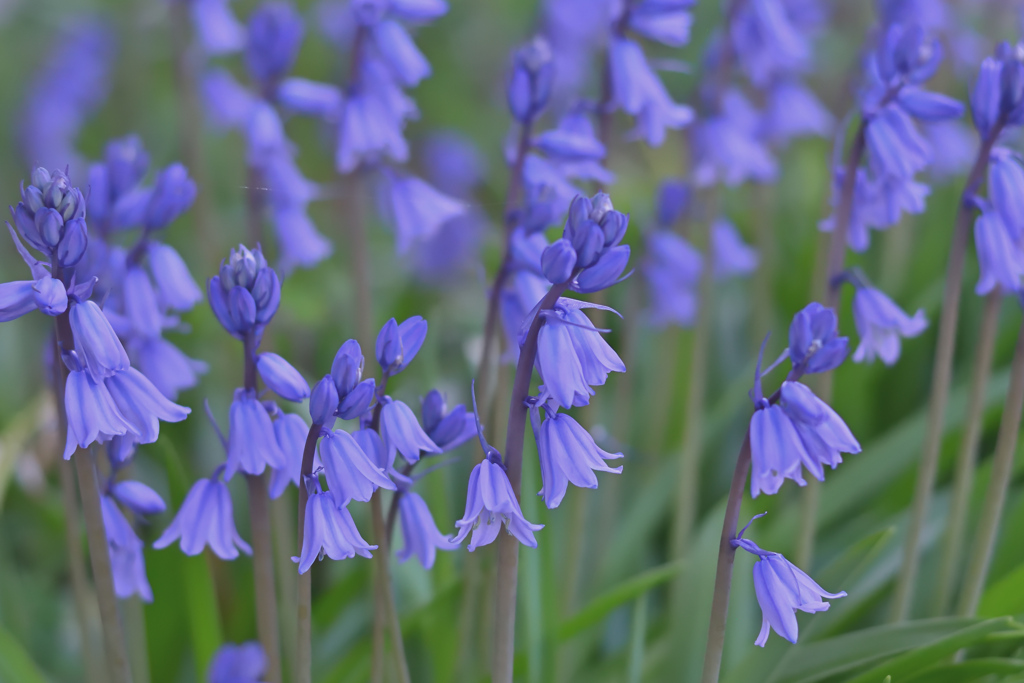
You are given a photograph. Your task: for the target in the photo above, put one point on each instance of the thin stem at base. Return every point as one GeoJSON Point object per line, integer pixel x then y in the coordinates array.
{"type": "Point", "coordinates": [263, 575]}
{"type": "Point", "coordinates": [963, 479]}
{"type": "Point", "coordinates": [999, 483]}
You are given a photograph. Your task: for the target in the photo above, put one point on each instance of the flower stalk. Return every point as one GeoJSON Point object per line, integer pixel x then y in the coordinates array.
{"type": "Point", "coordinates": [995, 496]}
{"type": "Point", "coordinates": [942, 372]}
{"type": "Point", "coordinates": [963, 479]}
{"type": "Point", "coordinates": [304, 604]}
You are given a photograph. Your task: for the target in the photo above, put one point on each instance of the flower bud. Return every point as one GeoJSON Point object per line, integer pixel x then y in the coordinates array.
{"type": "Point", "coordinates": [126, 162]}
{"type": "Point", "coordinates": [242, 309]}
{"type": "Point", "coordinates": [138, 497]}
{"type": "Point", "coordinates": [33, 198]}
{"type": "Point", "coordinates": [433, 410]}
{"type": "Point", "coordinates": [283, 379]}
{"type": "Point", "coordinates": [50, 296]}
{"type": "Point", "coordinates": [389, 345]}
{"type": "Point", "coordinates": [50, 227]}
{"type": "Point", "coordinates": [673, 197]}
{"type": "Point", "coordinates": [323, 402]}
{"type": "Point", "coordinates": [579, 212]}
{"type": "Point", "coordinates": [26, 224]}
{"type": "Point", "coordinates": [530, 84]}
{"type": "Point", "coordinates": [226, 277]}
{"type": "Point", "coordinates": [347, 368]}
{"type": "Point", "coordinates": [40, 177]}
{"type": "Point", "coordinates": [614, 225]}
{"type": "Point", "coordinates": [53, 193]}
{"type": "Point", "coordinates": [601, 204]}
{"type": "Point", "coordinates": [588, 243]}
{"type": "Point", "coordinates": [266, 292]}
{"type": "Point", "coordinates": [73, 205]}
{"type": "Point", "coordinates": [72, 247]}
{"type": "Point", "coordinates": [275, 33]}
{"type": "Point", "coordinates": [172, 195]}
{"type": "Point", "coordinates": [558, 261]}
{"type": "Point", "coordinates": [358, 400]}
{"type": "Point", "coordinates": [218, 298]}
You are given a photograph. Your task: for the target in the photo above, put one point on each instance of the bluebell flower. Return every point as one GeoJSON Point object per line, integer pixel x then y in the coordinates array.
{"type": "Point", "coordinates": [880, 324]}
{"type": "Point", "coordinates": [92, 414]}
{"type": "Point", "coordinates": [167, 367]}
{"type": "Point", "coordinates": [397, 344]}
{"type": "Point", "coordinates": [731, 256]}
{"type": "Point", "coordinates": [252, 445]}
{"type": "Point", "coordinates": [354, 393]}
{"type": "Point", "coordinates": [558, 261]}
{"type": "Point", "coordinates": [291, 432]}
{"type": "Point", "coordinates": [954, 145]}
{"type": "Point", "coordinates": [373, 118]}
{"type": "Point", "coordinates": [415, 209]}
{"type": "Point", "coordinates": [576, 30]}
{"type": "Point", "coordinates": [329, 530]}
{"type": "Point", "coordinates": [351, 473]}
{"type": "Point", "coordinates": [822, 432]}
{"type": "Point", "coordinates": [218, 30]}
{"type": "Point", "coordinates": [400, 432]}
{"type": "Point", "coordinates": [665, 22]}
{"type": "Point", "coordinates": [142, 405]}
{"type": "Point", "coordinates": [793, 110]}
{"type": "Point", "coordinates": [1006, 190]}
{"type": "Point", "coordinates": [448, 429]}
{"type": "Point", "coordinates": [814, 341]}
{"type": "Point", "coordinates": [206, 518]}
{"type": "Point", "coordinates": [776, 451]}
{"type": "Point", "coordinates": [137, 497]}
{"type": "Point", "coordinates": [729, 147]}
{"type": "Point", "coordinates": [323, 402]}
{"type": "Point", "coordinates": [246, 293]}
{"type": "Point", "coordinates": [672, 271]}
{"type": "Point", "coordinates": [244, 663]}
{"type": "Point", "coordinates": [782, 589]}
{"type": "Point", "coordinates": [227, 103]}
{"type": "Point", "coordinates": [639, 92]}
{"type": "Point", "coordinates": [173, 194]}
{"type": "Point", "coordinates": [672, 201]}
{"type": "Point", "coordinates": [308, 97]}
{"type": "Point", "coordinates": [397, 48]}
{"type": "Point", "coordinates": [767, 42]}
{"type": "Point", "coordinates": [1000, 260]}
{"type": "Point", "coordinates": [567, 453]}
{"type": "Point", "coordinates": [50, 296]}
{"type": "Point", "coordinates": [573, 140]}
{"type": "Point", "coordinates": [895, 146]}
{"type": "Point", "coordinates": [16, 299]}
{"type": "Point", "coordinates": [419, 532]}
{"type": "Point", "coordinates": [531, 80]}
{"type": "Point", "coordinates": [490, 503]}
{"type": "Point", "coordinates": [125, 548]}
{"type": "Point", "coordinates": [140, 304]}
{"type": "Point", "coordinates": [274, 34]}
{"type": "Point", "coordinates": [997, 94]}
{"type": "Point", "coordinates": [281, 378]}
{"type": "Point", "coordinates": [176, 289]}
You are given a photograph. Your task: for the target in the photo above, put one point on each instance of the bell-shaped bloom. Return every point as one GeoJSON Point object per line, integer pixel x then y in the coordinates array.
{"type": "Point", "coordinates": [328, 530]}
{"type": "Point", "coordinates": [351, 473]}
{"type": "Point", "coordinates": [731, 256]}
{"type": "Point", "coordinates": [373, 118]}
{"type": "Point", "coordinates": [767, 41]}
{"type": "Point", "coordinates": [244, 663]}
{"type": "Point", "coordinates": [95, 341]}
{"type": "Point", "coordinates": [92, 414]}
{"type": "Point", "coordinates": [291, 432]}
{"type": "Point", "coordinates": [140, 305]}
{"type": "Point", "coordinates": [166, 366]}
{"type": "Point", "coordinates": [401, 432]}
{"type": "Point", "coordinates": [823, 433]}
{"type": "Point", "coordinates": [16, 299]}
{"type": "Point", "coordinates": [274, 34]}
{"type": "Point", "coordinates": [206, 518]}
{"type": "Point", "coordinates": [173, 194]}
{"type": "Point", "coordinates": [639, 92]}
{"type": "Point", "coordinates": [729, 147]}
{"type": "Point", "coordinates": [666, 22]}
{"type": "Point", "coordinates": [138, 497]}
{"type": "Point", "coordinates": [793, 111]}
{"type": "Point", "coordinates": [881, 324]}
{"type": "Point", "coordinates": [928, 106]}
{"type": "Point", "coordinates": [419, 531]}
{"type": "Point", "coordinates": [1006, 190]}
{"type": "Point", "coordinates": [490, 503]}
{"type": "Point", "coordinates": [776, 451]}
{"type": "Point", "coordinates": [895, 147]}
{"type": "Point", "coordinates": [782, 589]}
{"type": "Point", "coordinates": [416, 210]}
{"type": "Point", "coordinates": [1000, 260]}
{"type": "Point", "coordinates": [142, 405]}
{"type": "Point", "coordinates": [814, 341]}
{"type": "Point", "coordinates": [281, 378]}
{"type": "Point", "coordinates": [50, 296]}
{"type": "Point", "coordinates": [126, 559]}
{"type": "Point", "coordinates": [567, 454]}
{"type": "Point", "coordinates": [397, 48]}
{"type": "Point", "coordinates": [176, 289]}
{"type": "Point", "coordinates": [252, 445]}
{"type": "Point", "coordinates": [397, 344]}
{"type": "Point", "coordinates": [447, 429]}
{"type": "Point", "coordinates": [672, 271]}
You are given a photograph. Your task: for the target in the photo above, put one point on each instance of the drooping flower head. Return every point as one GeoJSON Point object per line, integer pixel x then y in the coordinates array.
{"type": "Point", "coordinates": [329, 529]}
{"type": "Point", "coordinates": [782, 589]}
{"type": "Point", "coordinates": [881, 324]}
{"type": "Point", "coordinates": [206, 518]}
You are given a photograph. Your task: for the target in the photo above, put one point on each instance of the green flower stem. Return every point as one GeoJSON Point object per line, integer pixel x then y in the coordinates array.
{"type": "Point", "coordinates": [995, 496]}
{"type": "Point", "coordinates": [963, 480]}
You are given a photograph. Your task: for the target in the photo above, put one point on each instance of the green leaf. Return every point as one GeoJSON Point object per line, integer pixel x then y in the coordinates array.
{"type": "Point", "coordinates": [16, 666]}
{"type": "Point", "coordinates": [971, 670]}
{"type": "Point", "coordinates": [923, 657]}
{"type": "Point", "coordinates": [1004, 596]}
{"type": "Point", "coordinates": [819, 660]}
{"type": "Point", "coordinates": [630, 589]}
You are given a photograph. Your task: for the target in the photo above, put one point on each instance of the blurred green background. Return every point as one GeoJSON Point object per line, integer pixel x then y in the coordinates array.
{"type": "Point", "coordinates": [593, 598]}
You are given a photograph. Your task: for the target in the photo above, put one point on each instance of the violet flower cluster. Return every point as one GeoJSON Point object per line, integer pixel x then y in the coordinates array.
{"type": "Point", "coordinates": [891, 102]}
{"type": "Point", "coordinates": [272, 41]}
